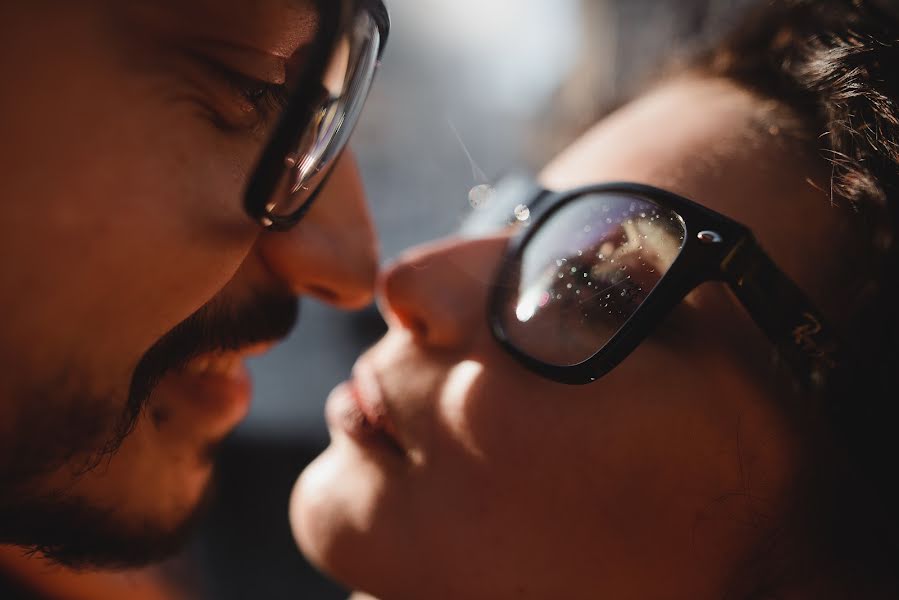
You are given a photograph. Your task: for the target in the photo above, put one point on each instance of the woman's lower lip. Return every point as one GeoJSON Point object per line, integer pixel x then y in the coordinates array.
{"type": "Point", "coordinates": [343, 413]}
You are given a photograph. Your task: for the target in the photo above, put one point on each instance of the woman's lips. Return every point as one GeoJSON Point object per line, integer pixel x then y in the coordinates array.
{"type": "Point", "coordinates": [357, 407]}
{"type": "Point", "coordinates": [370, 397]}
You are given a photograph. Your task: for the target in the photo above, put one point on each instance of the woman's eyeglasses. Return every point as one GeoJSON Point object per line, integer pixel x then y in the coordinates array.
{"type": "Point", "coordinates": [595, 270]}
{"type": "Point", "coordinates": [323, 109]}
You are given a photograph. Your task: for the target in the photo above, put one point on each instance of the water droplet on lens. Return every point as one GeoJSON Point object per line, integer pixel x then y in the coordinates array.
{"type": "Point", "coordinates": [522, 213]}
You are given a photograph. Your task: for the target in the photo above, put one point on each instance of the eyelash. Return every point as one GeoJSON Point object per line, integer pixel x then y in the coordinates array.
{"type": "Point", "coordinates": [265, 98]}
{"type": "Point", "coordinates": [268, 99]}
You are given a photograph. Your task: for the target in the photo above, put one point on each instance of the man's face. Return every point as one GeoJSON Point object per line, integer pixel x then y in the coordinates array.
{"type": "Point", "coordinates": [132, 281]}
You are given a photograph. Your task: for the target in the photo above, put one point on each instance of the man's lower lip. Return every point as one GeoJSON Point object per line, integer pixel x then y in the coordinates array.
{"type": "Point", "coordinates": [223, 397]}
{"type": "Point", "coordinates": [343, 414]}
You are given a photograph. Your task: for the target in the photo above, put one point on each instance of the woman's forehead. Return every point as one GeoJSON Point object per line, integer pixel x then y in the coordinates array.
{"type": "Point", "coordinates": [730, 150]}
{"type": "Point", "coordinates": [674, 136]}
{"type": "Point", "coordinates": [707, 139]}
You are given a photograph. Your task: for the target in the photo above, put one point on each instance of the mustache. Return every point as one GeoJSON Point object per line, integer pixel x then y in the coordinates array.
{"type": "Point", "coordinates": [218, 326]}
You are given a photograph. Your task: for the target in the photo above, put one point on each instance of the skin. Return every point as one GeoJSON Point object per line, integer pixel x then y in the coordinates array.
{"type": "Point", "coordinates": [124, 164]}
{"type": "Point", "coordinates": [657, 481]}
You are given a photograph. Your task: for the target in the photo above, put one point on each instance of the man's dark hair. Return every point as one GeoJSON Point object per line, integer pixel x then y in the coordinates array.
{"type": "Point", "coordinates": [835, 65]}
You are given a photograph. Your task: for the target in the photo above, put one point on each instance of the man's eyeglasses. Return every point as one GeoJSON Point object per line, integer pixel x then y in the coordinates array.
{"type": "Point", "coordinates": [323, 109]}
{"type": "Point", "coordinates": [595, 270]}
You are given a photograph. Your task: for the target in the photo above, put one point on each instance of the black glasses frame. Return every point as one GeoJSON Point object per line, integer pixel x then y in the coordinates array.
{"type": "Point", "coordinates": [296, 117]}
{"type": "Point", "coordinates": [716, 248]}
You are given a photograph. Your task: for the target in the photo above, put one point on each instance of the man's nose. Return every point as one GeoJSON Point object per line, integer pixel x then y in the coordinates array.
{"type": "Point", "coordinates": [439, 292]}
{"type": "Point", "coordinates": [332, 253]}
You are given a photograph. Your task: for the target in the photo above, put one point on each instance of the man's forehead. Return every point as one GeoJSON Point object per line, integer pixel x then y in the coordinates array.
{"type": "Point", "coordinates": [276, 26]}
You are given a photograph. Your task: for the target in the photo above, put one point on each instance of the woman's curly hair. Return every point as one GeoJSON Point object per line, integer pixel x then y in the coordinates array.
{"type": "Point", "coordinates": [835, 62]}
{"type": "Point", "coordinates": [835, 65]}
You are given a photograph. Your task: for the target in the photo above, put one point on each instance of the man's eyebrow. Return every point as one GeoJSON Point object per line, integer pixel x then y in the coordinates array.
{"type": "Point", "coordinates": [269, 66]}
{"type": "Point", "coordinates": [305, 27]}
{"type": "Point", "coordinates": [274, 27]}
{"type": "Point", "coordinates": [228, 44]}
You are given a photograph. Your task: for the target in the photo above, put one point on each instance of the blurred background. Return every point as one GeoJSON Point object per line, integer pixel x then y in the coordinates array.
{"type": "Point", "coordinates": [469, 90]}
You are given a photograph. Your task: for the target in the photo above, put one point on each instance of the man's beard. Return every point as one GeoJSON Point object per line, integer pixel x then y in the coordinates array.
{"type": "Point", "coordinates": [72, 533]}
{"type": "Point", "coordinates": [88, 432]}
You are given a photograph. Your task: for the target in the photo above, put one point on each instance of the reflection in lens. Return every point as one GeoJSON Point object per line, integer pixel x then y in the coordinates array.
{"type": "Point", "coordinates": [584, 272]}
{"type": "Point", "coordinates": [336, 75]}
{"type": "Point", "coordinates": [344, 88]}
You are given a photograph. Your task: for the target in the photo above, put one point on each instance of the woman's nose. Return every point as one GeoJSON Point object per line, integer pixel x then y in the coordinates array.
{"type": "Point", "coordinates": [439, 291]}
{"type": "Point", "coordinates": [332, 253]}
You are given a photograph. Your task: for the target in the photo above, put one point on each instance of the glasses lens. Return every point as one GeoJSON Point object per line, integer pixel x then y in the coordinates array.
{"type": "Point", "coordinates": [584, 272]}
{"type": "Point", "coordinates": [344, 88]}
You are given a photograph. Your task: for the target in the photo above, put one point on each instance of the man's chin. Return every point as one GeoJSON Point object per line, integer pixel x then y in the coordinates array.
{"type": "Point", "coordinates": [139, 505]}
{"type": "Point", "coordinates": [76, 535]}
{"type": "Point", "coordinates": [124, 513]}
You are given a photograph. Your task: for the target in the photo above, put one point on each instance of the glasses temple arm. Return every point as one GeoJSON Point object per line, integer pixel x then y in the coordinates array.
{"type": "Point", "coordinates": [798, 330]}
{"type": "Point", "coordinates": [838, 381]}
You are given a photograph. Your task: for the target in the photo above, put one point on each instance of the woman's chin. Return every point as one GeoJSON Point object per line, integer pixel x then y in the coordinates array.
{"type": "Point", "coordinates": [314, 514]}
{"type": "Point", "coordinates": [332, 516]}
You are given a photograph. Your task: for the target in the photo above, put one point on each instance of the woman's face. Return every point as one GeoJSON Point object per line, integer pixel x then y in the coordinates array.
{"type": "Point", "coordinates": [655, 481]}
